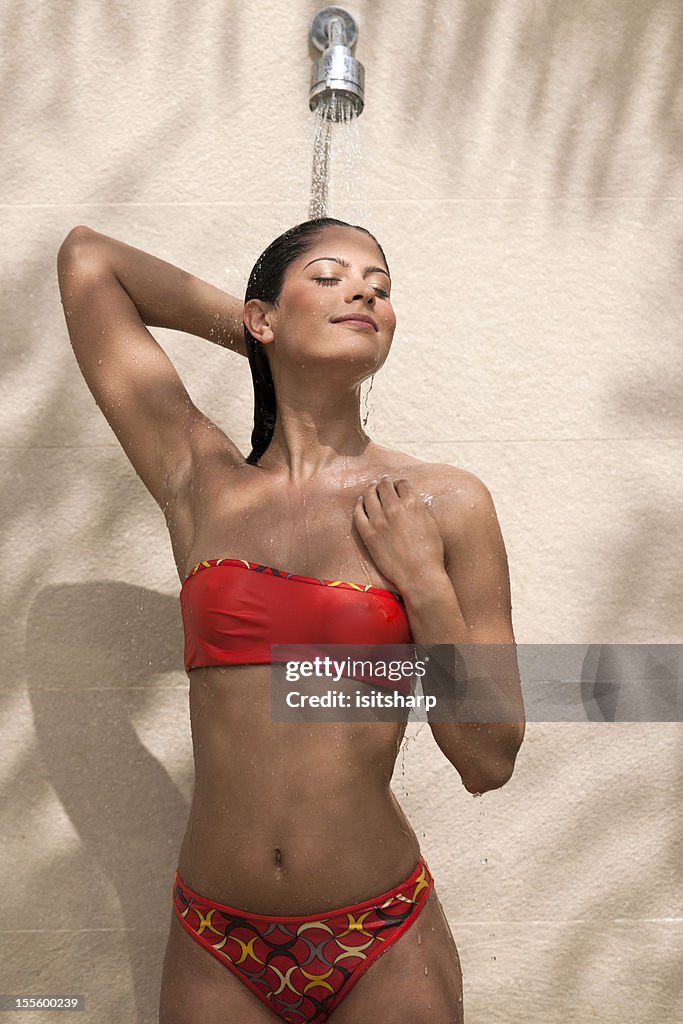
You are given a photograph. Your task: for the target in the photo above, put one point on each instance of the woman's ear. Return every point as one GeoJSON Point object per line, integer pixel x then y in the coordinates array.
{"type": "Point", "coordinates": [257, 320]}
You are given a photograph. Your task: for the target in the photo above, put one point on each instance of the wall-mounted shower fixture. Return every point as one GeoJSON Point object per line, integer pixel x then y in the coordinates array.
{"type": "Point", "coordinates": [338, 78]}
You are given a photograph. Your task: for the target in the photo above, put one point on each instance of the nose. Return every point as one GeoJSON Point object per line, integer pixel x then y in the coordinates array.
{"type": "Point", "coordinates": [360, 289]}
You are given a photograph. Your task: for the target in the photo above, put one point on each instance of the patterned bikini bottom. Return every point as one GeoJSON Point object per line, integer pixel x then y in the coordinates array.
{"type": "Point", "coordinates": [302, 967]}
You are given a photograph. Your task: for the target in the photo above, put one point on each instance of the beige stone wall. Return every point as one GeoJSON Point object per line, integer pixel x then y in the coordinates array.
{"type": "Point", "coordinates": [523, 172]}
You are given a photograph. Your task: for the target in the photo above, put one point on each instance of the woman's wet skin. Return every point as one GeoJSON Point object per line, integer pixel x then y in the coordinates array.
{"type": "Point", "coordinates": [286, 818]}
{"type": "Point", "coordinates": [293, 817]}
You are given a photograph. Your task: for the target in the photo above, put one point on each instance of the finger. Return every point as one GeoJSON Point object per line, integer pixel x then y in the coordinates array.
{"type": "Point", "coordinates": [373, 506]}
{"type": "Point", "coordinates": [405, 490]}
{"type": "Point", "coordinates": [386, 491]}
{"type": "Point", "coordinates": [359, 514]}
{"type": "Point", "coordinates": [360, 519]}
{"type": "Point", "coordinates": [409, 496]}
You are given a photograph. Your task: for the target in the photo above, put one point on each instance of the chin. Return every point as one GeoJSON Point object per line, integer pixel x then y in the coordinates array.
{"type": "Point", "coordinates": [360, 355]}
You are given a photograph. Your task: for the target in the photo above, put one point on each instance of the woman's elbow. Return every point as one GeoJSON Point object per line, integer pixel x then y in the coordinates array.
{"type": "Point", "coordinates": [484, 782]}
{"type": "Point", "coordinates": [80, 256]}
{"type": "Point", "coordinates": [493, 775]}
{"type": "Point", "coordinates": [78, 234]}
{"type": "Point", "coordinates": [75, 242]}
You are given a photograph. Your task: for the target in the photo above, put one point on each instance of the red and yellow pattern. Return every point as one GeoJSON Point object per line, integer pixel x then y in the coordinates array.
{"type": "Point", "coordinates": [268, 570]}
{"type": "Point", "coordinates": [302, 967]}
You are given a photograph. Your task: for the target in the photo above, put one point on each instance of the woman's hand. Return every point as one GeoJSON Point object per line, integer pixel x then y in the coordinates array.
{"type": "Point", "coordinates": [399, 532]}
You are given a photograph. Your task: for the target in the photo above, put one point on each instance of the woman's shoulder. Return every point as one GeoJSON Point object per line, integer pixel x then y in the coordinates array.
{"type": "Point", "coordinates": [436, 478]}
{"type": "Point", "coordinates": [459, 500]}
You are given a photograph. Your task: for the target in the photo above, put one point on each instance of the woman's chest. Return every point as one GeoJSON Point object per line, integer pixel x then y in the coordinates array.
{"type": "Point", "coordinates": [309, 532]}
{"type": "Point", "coordinates": [306, 529]}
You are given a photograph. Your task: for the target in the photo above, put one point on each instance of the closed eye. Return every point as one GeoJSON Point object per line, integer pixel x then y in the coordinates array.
{"type": "Point", "coordinates": [334, 280]}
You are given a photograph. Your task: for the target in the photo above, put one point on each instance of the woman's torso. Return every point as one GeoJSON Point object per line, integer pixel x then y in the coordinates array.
{"type": "Point", "coordinates": [286, 817]}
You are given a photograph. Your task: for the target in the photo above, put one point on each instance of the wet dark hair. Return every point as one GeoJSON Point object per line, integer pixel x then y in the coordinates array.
{"type": "Point", "coordinates": [265, 283]}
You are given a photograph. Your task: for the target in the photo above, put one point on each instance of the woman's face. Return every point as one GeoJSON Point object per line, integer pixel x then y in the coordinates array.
{"type": "Point", "coordinates": [341, 277]}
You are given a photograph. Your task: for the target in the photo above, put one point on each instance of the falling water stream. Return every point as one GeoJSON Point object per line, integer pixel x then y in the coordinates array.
{"type": "Point", "coordinates": [338, 184]}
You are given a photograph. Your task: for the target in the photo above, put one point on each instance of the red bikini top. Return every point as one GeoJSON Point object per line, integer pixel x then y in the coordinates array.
{"type": "Point", "coordinates": [233, 610]}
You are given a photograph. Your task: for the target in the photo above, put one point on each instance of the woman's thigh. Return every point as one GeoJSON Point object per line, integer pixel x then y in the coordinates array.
{"type": "Point", "coordinates": [417, 979]}
{"type": "Point", "coordinates": [197, 989]}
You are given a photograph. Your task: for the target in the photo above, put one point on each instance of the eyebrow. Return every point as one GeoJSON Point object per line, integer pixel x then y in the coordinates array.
{"type": "Point", "coordinates": [345, 263]}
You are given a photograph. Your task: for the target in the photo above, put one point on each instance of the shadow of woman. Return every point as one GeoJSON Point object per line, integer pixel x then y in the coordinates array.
{"type": "Point", "coordinates": [99, 657]}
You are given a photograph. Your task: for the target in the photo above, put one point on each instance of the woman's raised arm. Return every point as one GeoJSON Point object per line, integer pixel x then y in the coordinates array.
{"type": "Point", "coordinates": [111, 292]}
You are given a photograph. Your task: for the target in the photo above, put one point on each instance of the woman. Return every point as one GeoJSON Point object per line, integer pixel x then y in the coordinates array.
{"type": "Point", "coordinates": [298, 868]}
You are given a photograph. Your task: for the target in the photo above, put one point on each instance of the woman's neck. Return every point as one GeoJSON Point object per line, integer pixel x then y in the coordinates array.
{"type": "Point", "coordinates": [302, 447]}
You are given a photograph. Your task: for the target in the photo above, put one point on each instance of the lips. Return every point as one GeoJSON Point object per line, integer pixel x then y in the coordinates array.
{"type": "Point", "coordinates": [356, 317]}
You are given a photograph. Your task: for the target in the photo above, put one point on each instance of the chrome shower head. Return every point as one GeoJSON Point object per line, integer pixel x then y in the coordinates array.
{"type": "Point", "coordinates": [338, 78]}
